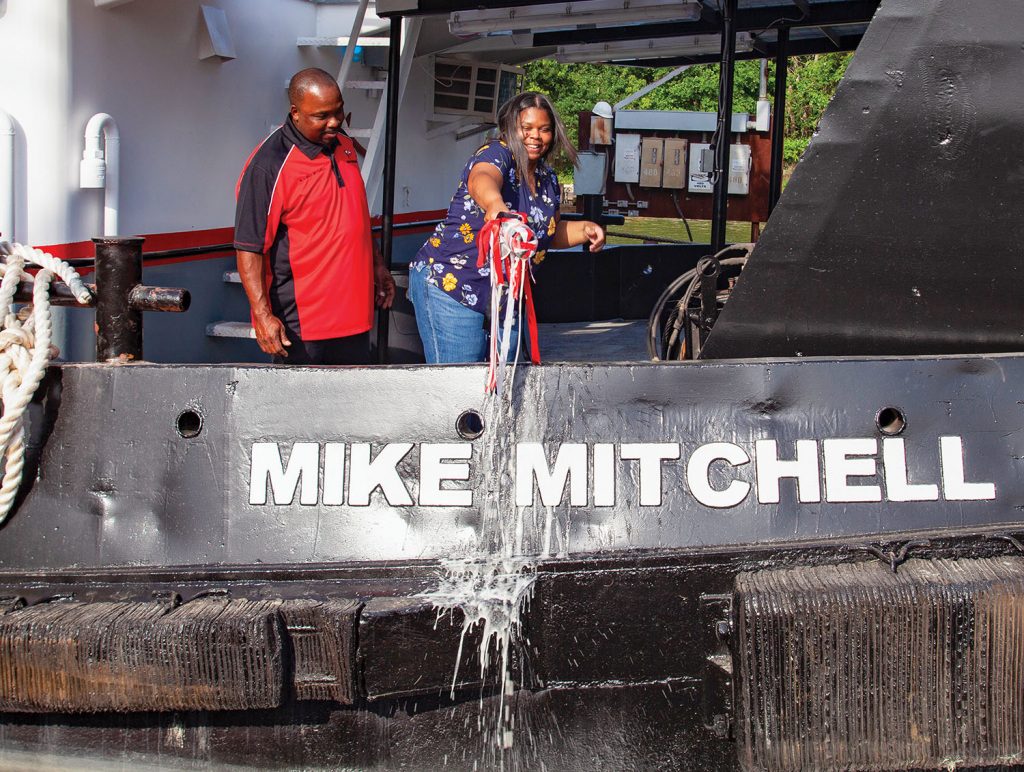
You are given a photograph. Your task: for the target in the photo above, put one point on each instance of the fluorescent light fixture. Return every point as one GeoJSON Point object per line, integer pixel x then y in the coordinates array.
{"type": "Point", "coordinates": [654, 48]}
{"type": "Point", "coordinates": [571, 14]}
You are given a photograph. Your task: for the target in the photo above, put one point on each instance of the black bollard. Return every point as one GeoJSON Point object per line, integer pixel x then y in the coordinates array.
{"type": "Point", "coordinates": [118, 323]}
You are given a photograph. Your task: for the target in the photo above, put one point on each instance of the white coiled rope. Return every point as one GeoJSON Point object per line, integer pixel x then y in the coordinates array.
{"type": "Point", "coordinates": [25, 351]}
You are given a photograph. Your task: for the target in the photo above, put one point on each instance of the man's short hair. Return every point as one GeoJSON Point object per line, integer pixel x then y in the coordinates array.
{"type": "Point", "coordinates": [310, 79]}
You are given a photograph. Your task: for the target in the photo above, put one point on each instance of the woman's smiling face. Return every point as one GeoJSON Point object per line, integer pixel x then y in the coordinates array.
{"type": "Point", "coordinates": [537, 130]}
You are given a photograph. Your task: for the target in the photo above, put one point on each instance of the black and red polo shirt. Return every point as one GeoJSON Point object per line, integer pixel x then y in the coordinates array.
{"type": "Point", "coordinates": [303, 206]}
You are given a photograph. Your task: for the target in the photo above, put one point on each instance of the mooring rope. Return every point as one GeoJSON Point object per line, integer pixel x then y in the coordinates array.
{"type": "Point", "coordinates": [25, 351]}
{"type": "Point", "coordinates": [507, 244]}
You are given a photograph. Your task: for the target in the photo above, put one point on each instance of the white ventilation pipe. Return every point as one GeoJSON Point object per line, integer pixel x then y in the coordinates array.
{"type": "Point", "coordinates": [6, 177]}
{"type": "Point", "coordinates": [100, 167]}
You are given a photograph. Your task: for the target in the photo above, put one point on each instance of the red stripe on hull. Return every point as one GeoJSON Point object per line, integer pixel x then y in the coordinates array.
{"type": "Point", "coordinates": [199, 238]}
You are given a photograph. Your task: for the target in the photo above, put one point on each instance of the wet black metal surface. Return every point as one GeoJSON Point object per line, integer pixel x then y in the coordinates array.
{"type": "Point", "coordinates": [622, 659]}
{"type": "Point", "coordinates": [897, 233]}
{"type": "Point", "coordinates": [118, 484]}
{"type": "Point", "coordinates": [143, 488]}
{"type": "Point", "coordinates": [860, 667]}
{"type": "Point", "coordinates": [624, 670]}
{"type": "Point", "coordinates": [212, 653]}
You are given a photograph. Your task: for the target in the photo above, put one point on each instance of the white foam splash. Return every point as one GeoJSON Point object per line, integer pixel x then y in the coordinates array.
{"type": "Point", "coordinates": [492, 586]}
{"type": "Point", "coordinates": [492, 594]}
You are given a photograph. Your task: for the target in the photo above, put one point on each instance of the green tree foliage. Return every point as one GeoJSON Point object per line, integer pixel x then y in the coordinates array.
{"type": "Point", "coordinates": [811, 82]}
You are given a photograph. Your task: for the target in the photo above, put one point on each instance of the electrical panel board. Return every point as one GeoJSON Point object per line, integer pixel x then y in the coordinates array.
{"type": "Point", "coordinates": [674, 172]}
{"type": "Point", "coordinates": [652, 157]}
{"type": "Point", "coordinates": [655, 170]}
{"type": "Point", "coordinates": [591, 173]}
{"type": "Point", "coordinates": [627, 158]}
{"type": "Point", "coordinates": [739, 170]}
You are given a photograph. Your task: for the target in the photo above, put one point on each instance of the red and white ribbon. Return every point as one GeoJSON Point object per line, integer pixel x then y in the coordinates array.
{"type": "Point", "coordinates": [507, 244]}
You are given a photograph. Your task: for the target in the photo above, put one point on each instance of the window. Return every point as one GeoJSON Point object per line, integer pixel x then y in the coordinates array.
{"type": "Point", "coordinates": [473, 89]}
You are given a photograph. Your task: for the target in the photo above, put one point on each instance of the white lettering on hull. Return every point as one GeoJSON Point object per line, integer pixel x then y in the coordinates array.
{"type": "Point", "coordinates": [570, 466]}
{"type": "Point", "coordinates": [718, 475]}
{"type": "Point", "coordinates": [699, 465]}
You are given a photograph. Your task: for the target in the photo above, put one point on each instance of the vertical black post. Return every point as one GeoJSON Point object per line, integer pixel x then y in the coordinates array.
{"type": "Point", "coordinates": [592, 209]}
{"type": "Point", "coordinates": [118, 325]}
{"type": "Point", "coordinates": [387, 233]}
{"type": "Point", "coordinates": [778, 118]}
{"type": "Point", "coordinates": [720, 204]}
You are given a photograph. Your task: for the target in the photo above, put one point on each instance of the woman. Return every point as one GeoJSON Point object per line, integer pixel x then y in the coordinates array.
{"type": "Point", "coordinates": [451, 295]}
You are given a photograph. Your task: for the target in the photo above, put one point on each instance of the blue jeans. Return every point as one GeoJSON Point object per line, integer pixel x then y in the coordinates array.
{"type": "Point", "coordinates": [450, 331]}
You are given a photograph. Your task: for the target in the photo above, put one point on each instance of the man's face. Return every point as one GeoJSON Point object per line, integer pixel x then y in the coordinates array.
{"type": "Point", "coordinates": [318, 115]}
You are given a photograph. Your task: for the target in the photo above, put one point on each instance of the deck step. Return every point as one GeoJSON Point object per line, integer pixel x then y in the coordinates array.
{"type": "Point", "coordinates": [367, 85]}
{"type": "Point", "coordinates": [230, 330]}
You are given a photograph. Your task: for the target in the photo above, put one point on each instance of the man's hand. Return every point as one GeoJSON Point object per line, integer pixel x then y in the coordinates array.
{"type": "Point", "coordinates": [270, 335]}
{"type": "Point", "coordinates": [383, 286]}
{"type": "Point", "coordinates": [594, 233]}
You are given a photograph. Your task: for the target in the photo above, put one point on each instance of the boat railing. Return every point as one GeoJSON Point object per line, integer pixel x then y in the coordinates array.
{"type": "Point", "coordinates": [118, 295]}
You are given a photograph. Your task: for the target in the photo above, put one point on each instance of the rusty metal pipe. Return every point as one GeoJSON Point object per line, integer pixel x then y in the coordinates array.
{"type": "Point", "coordinates": [142, 298]}
{"type": "Point", "coordinates": [60, 295]}
{"type": "Point", "coordinates": [146, 298]}
{"type": "Point", "coordinates": [118, 323]}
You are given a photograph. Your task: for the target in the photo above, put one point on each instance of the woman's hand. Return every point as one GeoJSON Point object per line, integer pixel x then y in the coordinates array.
{"type": "Point", "coordinates": [572, 233]}
{"type": "Point", "coordinates": [495, 209]}
{"type": "Point", "coordinates": [594, 233]}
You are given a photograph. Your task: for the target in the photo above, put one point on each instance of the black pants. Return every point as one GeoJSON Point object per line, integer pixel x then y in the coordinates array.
{"type": "Point", "coordinates": [350, 350]}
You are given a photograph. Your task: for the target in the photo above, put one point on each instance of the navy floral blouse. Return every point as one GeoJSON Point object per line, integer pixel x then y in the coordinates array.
{"type": "Point", "coordinates": [450, 253]}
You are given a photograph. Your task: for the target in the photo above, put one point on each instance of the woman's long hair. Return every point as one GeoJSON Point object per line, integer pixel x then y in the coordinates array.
{"type": "Point", "coordinates": [508, 127]}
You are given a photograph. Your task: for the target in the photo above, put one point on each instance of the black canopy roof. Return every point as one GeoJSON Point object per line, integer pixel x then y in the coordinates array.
{"type": "Point", "coordinates": [816, 26]}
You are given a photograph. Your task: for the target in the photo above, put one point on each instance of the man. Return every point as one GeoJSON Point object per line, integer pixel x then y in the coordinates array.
{"type": "Point", "coordinates": [306, 259]}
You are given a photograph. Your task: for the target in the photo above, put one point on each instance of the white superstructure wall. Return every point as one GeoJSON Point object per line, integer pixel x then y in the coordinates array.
{"type": "Point", "coordinates": [186, 124]}
{"type": "Point", "coordinates": [35, 92]}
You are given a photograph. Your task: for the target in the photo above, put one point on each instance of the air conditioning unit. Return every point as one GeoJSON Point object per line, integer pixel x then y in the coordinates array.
{"type": "Point", "coordinates": [473, 89]}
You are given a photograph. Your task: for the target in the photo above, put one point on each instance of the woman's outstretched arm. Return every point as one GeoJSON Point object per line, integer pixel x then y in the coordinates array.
{"type": "Point", "coordinates": [576, 232]}
{"type": "Point", "coordinates": [485, 187]}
